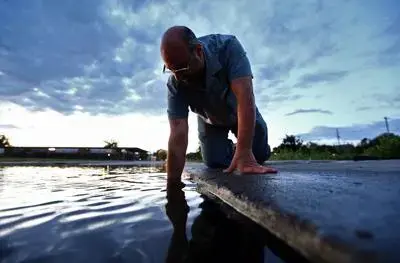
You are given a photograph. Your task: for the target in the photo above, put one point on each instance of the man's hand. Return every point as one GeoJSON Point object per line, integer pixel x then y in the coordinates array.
{"type": "Point", "coordinates": [177, 146]}
{"type": "Point", "coordinates": [243, 158]}
{"type": "Point", "coordinates": [246, 163]}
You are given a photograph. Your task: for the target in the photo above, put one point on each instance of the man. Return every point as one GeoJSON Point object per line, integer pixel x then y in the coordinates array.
{"type": "Point", "coordinates": [212, 76]}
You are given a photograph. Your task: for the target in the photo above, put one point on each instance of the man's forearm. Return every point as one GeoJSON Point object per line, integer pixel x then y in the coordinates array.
{"type": "Point", "coordinates": [246, 121]}
{"type": "Point", "coordinates": [176, 157]}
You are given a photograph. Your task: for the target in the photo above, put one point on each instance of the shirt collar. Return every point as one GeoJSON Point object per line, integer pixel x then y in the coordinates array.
{"type": "Point", "coordinates": [212, 62]}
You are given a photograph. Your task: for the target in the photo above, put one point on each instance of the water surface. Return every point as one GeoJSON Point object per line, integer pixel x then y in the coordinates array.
{"type": "Point", "coordinates": [101, 214]}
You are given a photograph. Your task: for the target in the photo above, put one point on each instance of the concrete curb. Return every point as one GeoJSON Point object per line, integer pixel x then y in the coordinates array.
{"type": "Point", "coordinates": [331, 212]}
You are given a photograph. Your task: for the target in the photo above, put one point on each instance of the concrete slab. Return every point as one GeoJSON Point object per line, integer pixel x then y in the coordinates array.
{"type": "Point", "coordinates": [327, 211]}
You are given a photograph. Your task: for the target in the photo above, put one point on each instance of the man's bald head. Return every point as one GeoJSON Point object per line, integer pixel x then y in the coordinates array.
{"type": "Point", "coordinates": [181, 50]}
{"type": "Point", "coordinates": [178, 35]}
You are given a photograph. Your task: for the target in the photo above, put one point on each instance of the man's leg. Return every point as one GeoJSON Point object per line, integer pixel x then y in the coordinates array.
{"type": "Point", "coordinates": [261, 148]}
{"type": "Point", "coordinates": [216, 148]}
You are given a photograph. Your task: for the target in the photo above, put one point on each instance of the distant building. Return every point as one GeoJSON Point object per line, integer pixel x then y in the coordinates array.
{"type": "Point", "coordinates": [125, 153]}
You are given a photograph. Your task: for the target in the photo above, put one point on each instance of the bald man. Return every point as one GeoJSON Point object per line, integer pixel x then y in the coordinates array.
{"type": "Point", "coordinates": [212, 76]}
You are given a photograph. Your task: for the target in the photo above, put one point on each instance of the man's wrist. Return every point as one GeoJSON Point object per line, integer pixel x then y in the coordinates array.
{"type": "Point", "coordinates": [244, 145]}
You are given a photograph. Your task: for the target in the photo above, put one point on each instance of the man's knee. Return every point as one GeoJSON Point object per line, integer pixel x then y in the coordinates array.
{"type": "Point", "coordinates": [216, 153]}
{"type": "Point", "coordinates": [261, 148]}
{"type": "Point", "coordinates": [215, 164]}
{"type": "Point", "coordinates": [262, 155]}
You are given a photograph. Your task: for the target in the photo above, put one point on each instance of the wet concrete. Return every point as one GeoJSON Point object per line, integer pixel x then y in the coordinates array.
{"type": "Point", "coordinates": [327, 211]}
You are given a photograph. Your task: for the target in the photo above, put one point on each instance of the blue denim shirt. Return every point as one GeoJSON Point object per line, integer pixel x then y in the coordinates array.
{"type": "Point", "coordinates": [215, 102]}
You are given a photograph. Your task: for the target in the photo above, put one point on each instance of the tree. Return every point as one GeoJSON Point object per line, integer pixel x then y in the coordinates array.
{"type": "Point", "coordinates": [161, 154]}
{"type": "Point", "coordinates": [4, 141]}
{"type": "Point", "coordinates": [384, 146]}
{"type": "Point", "coordinates": [292, 142]}
{"type": "Point", "coordinates": [195, 156]}
{"type": "Point", "coordinates": [112, 144]}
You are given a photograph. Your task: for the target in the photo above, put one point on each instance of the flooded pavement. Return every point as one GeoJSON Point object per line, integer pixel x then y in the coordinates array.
{"type": "Point", "coordinates": [103, 214]}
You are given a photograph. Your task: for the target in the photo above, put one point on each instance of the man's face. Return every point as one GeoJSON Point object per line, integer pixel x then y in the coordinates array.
{"type": "Point", "coordinates": [184, 63]}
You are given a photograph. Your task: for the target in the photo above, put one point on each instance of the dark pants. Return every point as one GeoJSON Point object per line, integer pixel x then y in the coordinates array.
{"type": "Point", "coordinates": [217, 150]}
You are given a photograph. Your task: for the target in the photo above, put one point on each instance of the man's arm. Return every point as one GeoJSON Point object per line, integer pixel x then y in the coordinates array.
{"type": "Point", "coordinates": [246, 111]}
{"type": "Point", "coordinates": [240, 76]}
{"type": "Point", "coordinates": [177, 146]}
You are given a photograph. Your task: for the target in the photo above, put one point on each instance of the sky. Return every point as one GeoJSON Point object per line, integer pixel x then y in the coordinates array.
{"type": "Point", "coordinates": [77, 73]}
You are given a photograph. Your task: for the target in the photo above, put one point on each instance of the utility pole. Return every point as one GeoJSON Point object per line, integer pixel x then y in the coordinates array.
{"type": "Point", "coordinates": [387, 124]}
{"type": "Point", "coordinates": [338, 136]}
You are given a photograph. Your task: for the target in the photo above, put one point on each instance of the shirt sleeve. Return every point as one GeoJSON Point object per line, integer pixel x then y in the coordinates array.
{"type": "Point", "coordinates": [238, 62]}
{"type": "Point", "coordinates": [177, 106]}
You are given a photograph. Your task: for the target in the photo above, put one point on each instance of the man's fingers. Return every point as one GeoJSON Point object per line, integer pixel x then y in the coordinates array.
{"type": "Point", "coordinates": [230, 168]}
{"type": "Point", "coordinates": [259, 170]}
{"type": "Point", "coordinates": [269, 170]}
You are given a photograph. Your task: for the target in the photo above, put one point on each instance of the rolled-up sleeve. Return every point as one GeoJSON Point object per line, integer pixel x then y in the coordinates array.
{"type": "Point", "coordinates": [237, 60]}
{"type": "Point", "coordinates": [177, 107]}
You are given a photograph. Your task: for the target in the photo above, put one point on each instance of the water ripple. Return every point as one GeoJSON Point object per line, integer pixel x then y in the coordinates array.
{"type": "Point", "coordinates": [47, 213]}
{"type": "Point", "coordinates": [86, 214]}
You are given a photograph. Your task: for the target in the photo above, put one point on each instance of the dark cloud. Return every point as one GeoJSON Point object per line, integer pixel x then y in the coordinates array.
{"type": "Point", "coordinates": [351, 133]}
{"type": "Point", "coordinates": [393, 28]}
{"type": "Point", "coordinates": [277, 94]}
{"type": "Point", "coordinates": [277, 70]}
{"type": "Point", "coordinates": [51, 41]}
{"type": "Point", "coordinates": [8, 126]}
{"type": "Point", "coordinates": [102, 56]}
{"type": "Point", "coordinates": [327, 76]}
{"type": "Point", "coordinates": [301, 111]}
{"type": "Point", "coordinates": [324, 48]}
{"type": "Point", "coordinates": [298, 40]}
{"type": "Point", "coordinates": [364, 108]}
{"type": "Point", "coordinates": [389, 100]}
{"type": "Point", "coordinates": [390, 55]}
{"type": "Point", "coordinates": [58, 56]}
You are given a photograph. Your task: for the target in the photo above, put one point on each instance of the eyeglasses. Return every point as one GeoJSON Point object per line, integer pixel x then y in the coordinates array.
{"type": "Point", "coordinates": [166, 70]}
{"type": "Point", "coordinates": [187, 68]}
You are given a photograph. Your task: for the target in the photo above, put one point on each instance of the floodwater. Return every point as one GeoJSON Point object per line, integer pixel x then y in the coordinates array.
{"type": "Point", "coordinates": [102, 214]}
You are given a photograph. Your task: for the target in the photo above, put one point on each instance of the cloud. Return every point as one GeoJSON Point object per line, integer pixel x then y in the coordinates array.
{"type": "Point", "coordinates": [389, 100]}
{"type": "Point", "coordinates": [104, 58]}
{"type": "Point", "coordinates": [309, 79]}
{"type": "Point", "coordinates": [300, 111]}
{"type": "Point", "coordinates": [364, 108]}
{"type": "Point", "coordinates": [55, 56]}
{"type": "Point", "coordinates": [277, 70]}
{"type": "Point", "coordinates": [389, 55]}
{"type": "Point", "coordinates": [351, 133]}
{"type": "Point", "coordinates": [8, 126]}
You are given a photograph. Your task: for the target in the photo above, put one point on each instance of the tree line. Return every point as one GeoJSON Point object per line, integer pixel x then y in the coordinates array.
{"type": "Point", "coordinates": [383, 146]}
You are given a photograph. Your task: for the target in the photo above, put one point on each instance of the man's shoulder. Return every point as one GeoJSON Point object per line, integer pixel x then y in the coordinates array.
{"type": "Point", "coordinates": [216, 42]}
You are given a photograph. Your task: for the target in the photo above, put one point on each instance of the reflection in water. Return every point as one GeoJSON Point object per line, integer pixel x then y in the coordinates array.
{"type": "Point", "coordinates": [76, 214]}
{"type": "Point", "coordinates": [215, 238]}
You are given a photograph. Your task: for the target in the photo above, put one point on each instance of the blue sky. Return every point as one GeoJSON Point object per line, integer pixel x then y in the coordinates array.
{"type": "Point", "coordinates": [76, 73]}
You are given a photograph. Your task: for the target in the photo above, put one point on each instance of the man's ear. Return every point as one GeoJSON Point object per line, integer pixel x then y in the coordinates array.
{"type": "Point", "coordinates": [198, 50]}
